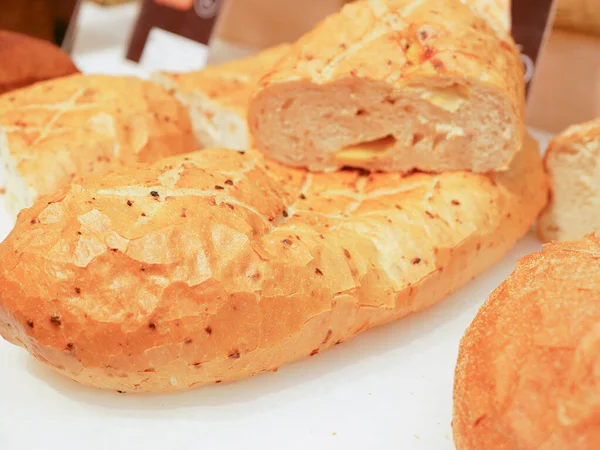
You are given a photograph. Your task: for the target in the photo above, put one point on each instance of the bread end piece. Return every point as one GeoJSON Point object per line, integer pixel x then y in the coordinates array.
{"type": "Point", "coordinates": [573, 164]}
{"type": "Point", "coordinates": [394, 86]}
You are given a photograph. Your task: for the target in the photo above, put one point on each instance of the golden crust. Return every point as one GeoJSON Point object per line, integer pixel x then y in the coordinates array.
{"type": "Point", "coordinates": [217, 97]}
{"type": "Point", "coordinates": [571, 163]}
{"type": "Point", "coordinates": [218, 265]}
{"type": "Point", "coordinates": [496, 12]}
{"type": "Point", "coordinates": [58, 129]}
{"type": "Point", "coordinates": [27, 60]}
{"type": "Point", "coordinates": [396, 47]}
{"type": "Point", "coordinates": [527, 372]}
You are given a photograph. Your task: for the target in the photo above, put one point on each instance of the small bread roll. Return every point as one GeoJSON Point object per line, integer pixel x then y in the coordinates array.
{"type": "Point", "coordinates": [53, 131]}
{"type": "Point", "coordinates": [217, 97]}
{"type": "Point", "coordinates": [528, 369]}
{"type": "Point", "coordinates": [394, 85]}
{"type": "Point", "coordinates": [219, 265]}
{"type": "Point", "coordinates": [573, 164]}
{"type": "Point", "coordinates": [25, 60]}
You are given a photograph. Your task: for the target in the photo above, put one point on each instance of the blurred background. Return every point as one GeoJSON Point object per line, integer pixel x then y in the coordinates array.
{"type": "Point", "coordinates": [561, 38]}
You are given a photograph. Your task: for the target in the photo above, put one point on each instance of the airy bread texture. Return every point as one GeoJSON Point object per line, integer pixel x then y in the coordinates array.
{"type": "Point", "coordinates": [527, 374]}
{"type": "Point", "coordinates": [26, 60]}
{"type": "Point", "coordinates": [217, 97]}
{"type": "Point", "coordinates": [218, 265]}
{"type": "Point", "coordinates": [573, 164]}
{"type": "Point", "coordinates": [394, 85]}
{"type": "Point", "coordinates": [53, 131]}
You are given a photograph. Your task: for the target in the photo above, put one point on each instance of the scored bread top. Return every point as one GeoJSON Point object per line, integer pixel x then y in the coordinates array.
{"type": "Point", "coordinates": [431, 74]}
{"type": "Point", "coordinates": [53, 131]}
{"type": "Point", "coordinates": [527, 371]}
{"type": "Point", "coordinates": [572, 164]}
{"type": "Point", "coordinates": [217, 265]}
{"type": "Point", "coordinates": [26, 60]}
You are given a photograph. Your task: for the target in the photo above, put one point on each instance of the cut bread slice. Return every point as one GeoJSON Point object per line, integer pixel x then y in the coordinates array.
{"type": "Point", "coordinates": [219, 265]}
{"type": "Point", "coordinates": [217, 97]}
{"type": "Point", "coordinates": [573, 164]}
{"type": "Point", "coordinates": [424, 84]}
{"type": "Point", "coordinates": [56, 130]}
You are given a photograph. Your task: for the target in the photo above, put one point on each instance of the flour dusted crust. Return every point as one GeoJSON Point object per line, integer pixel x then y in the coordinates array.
{"type": "Point", "coordinates": [496, 12]}
{"type": "Point", "coordinates": [527, 372]}
{"type": "Point", "coordinates": [218, 265]}
{"type": "Point", "coordinates": [394, 85]}
{"type": "Point", "coordinates": [53, 131]}
{"type": "Point", "coordinates": [572, 162]}
{"type": "Point", "coordinates": [217, 97]}
{"type": "Point", "coordinates": [26, 60]}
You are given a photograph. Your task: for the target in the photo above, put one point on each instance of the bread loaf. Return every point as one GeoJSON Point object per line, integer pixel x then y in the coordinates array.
{"type": "Point", "coordinates": [26, 60]}
{"type": "Point", "coordinates": [394, 85]}
{"type": "Point", "coordinates": [217, 97]}
{"type": "Point", "coordinates": [58, 129]}
{"type": "Point", "coordinates": [527, 373]}
{"type": "Point", "coordinates": [496, 12]}
{"type": "Point", "coordinates": [573, 164]}
{"type": "Point", "coordinates": [218, 265]}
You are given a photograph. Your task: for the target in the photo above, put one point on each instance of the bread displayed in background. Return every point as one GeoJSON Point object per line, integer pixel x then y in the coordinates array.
{"type": "Point", "coordinates": [53, 131]}
{"type": "Point", "coordinates": [394, 86]}
{"type": "Point", "coordinates": [218, 265]}
{"type": "Point", "coordinates": [527, 372]}
{"type": "Point", "coordinates": [573, 164]}
{"type": "Point", "coordinates": [25, 60]}
{"type": "Point", "coordinates": [217, 97]}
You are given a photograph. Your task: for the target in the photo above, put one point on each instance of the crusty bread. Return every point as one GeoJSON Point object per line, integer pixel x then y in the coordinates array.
{"type": "Point", "coordinates": [217, 97]}
{"type": "Point", "coordinates": [219, 264]}
{"type": "Point", "coordinates": [496, 12]}
{"type": "Point", "coordinates": [394, 85]}
{"type": "Point", "coordinates": [573, 164]}
{"type": "Point", "coordinates": [25, 60]}
{"type": "Point", "coordinates": [527, 374]}
{"type": "Point", "coordinates": [52, 131]}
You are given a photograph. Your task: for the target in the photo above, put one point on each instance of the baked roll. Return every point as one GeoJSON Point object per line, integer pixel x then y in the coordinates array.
{"type": "Point", "coordinates": [27, 60]}
{"type": "Point", "coordinates": [56, 130]}
{"type": "Point", "coordinates": [217, 97]}
{"type": "Point", "coordinates": [527, 372]}
{"type": "Point", "coordinates": [572, 162]}
{"type": "Point", "coordinates": [394, 85]}
{"type": "Point", "coordinates": [219, 265]}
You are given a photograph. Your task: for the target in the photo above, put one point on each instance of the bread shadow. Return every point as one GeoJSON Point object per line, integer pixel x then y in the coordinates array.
{"type": "Point", "coordinates": [319, 374]}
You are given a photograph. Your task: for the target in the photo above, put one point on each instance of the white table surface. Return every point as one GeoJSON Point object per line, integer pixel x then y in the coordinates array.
{"type": "Point", "coordinates": [389, 388]}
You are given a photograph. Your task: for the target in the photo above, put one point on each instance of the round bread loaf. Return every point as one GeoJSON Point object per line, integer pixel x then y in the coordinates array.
{"type": "Point", "coordinates": [528, 373]}
{"type": "Point", "coordinates": [26, 60]}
